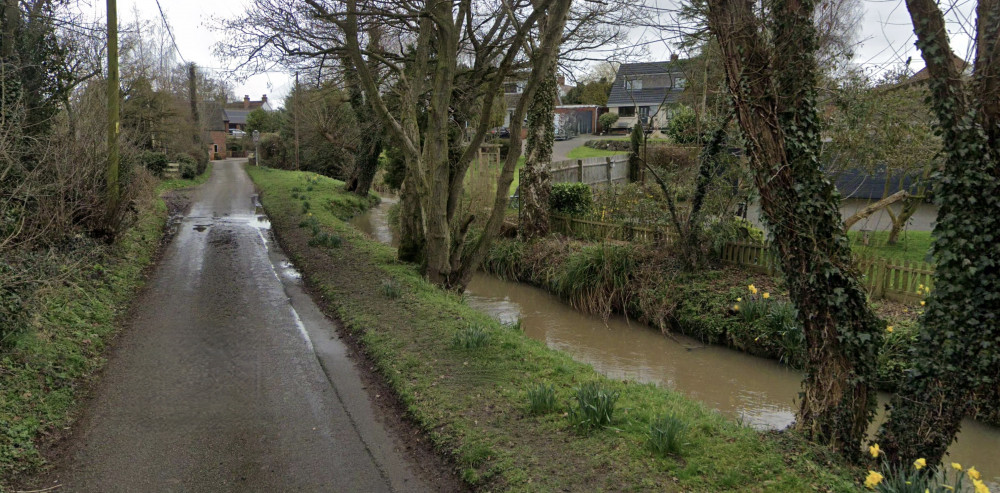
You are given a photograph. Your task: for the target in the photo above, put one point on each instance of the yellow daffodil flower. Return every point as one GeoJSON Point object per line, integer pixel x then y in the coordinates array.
{"type": "Point", "coordinates": [875, 450]}
{"type": "Point", "coordinates": [767, 295]}
{"type": "Point", "coordinates": [973, 473]}
{"type": "Point", "coordinates": [736, 308]}
{"type": "Point", "coordinates": [889, 329]}
{"type": "Point", "coordinates": [739, 299]}
{"type": "Point", "coordinates": [949, 488]}
{"type": "Point", "coordinates": [873, 479]}
{"type": "Point", "coordinates": [922, 302]}
{"type": "Point", "coordinates": [956, 466]}
{"type": "Point", "coordinates": [920, 463]}
{"type": "Point", "coordinates": [980, 486]}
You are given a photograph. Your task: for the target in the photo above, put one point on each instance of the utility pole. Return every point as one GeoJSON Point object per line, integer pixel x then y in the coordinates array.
{"type": "Point", "coordinates": [113, 116]}
{"type": "Point", "coordinates": [295, 117]}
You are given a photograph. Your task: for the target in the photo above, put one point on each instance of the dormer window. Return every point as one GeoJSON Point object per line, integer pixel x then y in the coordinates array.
{"type": "Point", "coordinates": [633, 85]}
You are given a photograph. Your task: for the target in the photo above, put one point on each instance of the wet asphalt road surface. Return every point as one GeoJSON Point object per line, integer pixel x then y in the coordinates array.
{"type": "Point", "coordinates": [229, 378]}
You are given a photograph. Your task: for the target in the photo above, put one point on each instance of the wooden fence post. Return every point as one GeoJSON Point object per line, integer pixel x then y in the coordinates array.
{"type": "Point", "coordinates": [607, 168]}
{"type": "Point", "coordinates": [579, 170]}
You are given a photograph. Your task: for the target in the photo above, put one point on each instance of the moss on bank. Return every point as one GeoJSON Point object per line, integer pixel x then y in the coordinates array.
{"type": "Point", "coordinates": [46, 367]}
{"type": "Point", "coordinates": [473, 401]}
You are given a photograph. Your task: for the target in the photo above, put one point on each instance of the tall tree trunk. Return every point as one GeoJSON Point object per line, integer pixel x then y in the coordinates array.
{"type": "Point", "coordinates": [536, 180]}
{"type": "Point", "coordinates": [411, 227]}
{"type": "Point", "coordinates": [958, 346]}
{"type": "Point", "coordinates": [772, 80]}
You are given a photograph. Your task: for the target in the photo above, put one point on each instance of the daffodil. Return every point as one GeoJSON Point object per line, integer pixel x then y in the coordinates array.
{"type": "Point", "coordinates": [875, 450]}
{"type": "Point", "coordinates": [956, 466]}
{"type": "Point", "coordinates": [752, 288]}
{"type": "Point", "coordinates": [739, 299]}
{"type": "Point", "coordinates": [980, 486]}
{"type": "Point", "coordinates": [922, 302]}
{"type": "Point", "coordinates": [973, 473]}
{"type": "Point", "coordinates": [920, 463]}
{"type": "Point", "coordinates": [889, 329]}
{"type": "Point", "coordinates": [736, 308]}
{"type": "Point", "coordinates": [766, 295]}
{"type": "Point", "coordinates": [873, 479]}
{"type": "Point", "coordinates": [949, 488]}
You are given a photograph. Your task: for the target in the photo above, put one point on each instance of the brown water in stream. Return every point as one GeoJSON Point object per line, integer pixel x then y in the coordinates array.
{"type": "Point", "coordinates": [756, 391]}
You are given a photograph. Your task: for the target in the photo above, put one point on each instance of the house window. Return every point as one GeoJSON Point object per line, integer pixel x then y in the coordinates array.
{"type": "Point", "coordinates": [510, 88]}
{"type": "Point", "coordinates": [626, 111]}
{"type": "Point", "coordinates": [644, 113]}
{"type": "Point", "coordinates": [633, 85]}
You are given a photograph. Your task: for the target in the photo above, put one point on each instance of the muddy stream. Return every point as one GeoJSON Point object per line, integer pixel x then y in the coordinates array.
{"type": "Point", "coordinates": [756, 391]}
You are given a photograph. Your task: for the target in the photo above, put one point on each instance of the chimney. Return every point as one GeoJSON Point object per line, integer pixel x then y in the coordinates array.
{"type": "Point", "coordinates": [673, 57]}
{"type": "Point", "coordinates": [246, 101]}
{"type": "Point", "coordinates": [263, 99]}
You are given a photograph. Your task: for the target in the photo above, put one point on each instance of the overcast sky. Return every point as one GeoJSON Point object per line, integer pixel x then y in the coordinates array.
{"type": "Point", "coordinates": [887, 38]}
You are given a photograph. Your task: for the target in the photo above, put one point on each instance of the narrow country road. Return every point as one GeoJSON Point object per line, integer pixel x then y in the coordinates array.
{"type": "Point", "coordinates": [229, 378]}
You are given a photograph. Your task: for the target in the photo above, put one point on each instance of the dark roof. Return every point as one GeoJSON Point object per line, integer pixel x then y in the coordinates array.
{"type": "Point", "coordinates": [237, 116]}
{"type": "Point", "coordinates": [858, 184]}
{"type": "Point", "coordinates": [647, 95]}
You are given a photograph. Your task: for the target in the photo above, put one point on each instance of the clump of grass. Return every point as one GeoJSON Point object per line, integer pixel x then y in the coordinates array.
{"type": "Point", "coordinates": [666, 434]}
{"type": "Point", "coordinates": [295, 190]}
{"type": "Point", "coordinates": [305, 206]}
{"type": "Point", "coordinates": [504, 259]}
{"type": "Point", "coordinates": [327, 240]}
{"type": "Point", "coordinates": [542, 399]}
{"type": "Point", "coordinates": [471, 337]}
{"type": "Point", "coordinates": [595, 407]}
{"type": "Point", "coordinates": [515, 325]}
{"type": "Point", "coordinates": [597, 279]}
{"type": "Point", "coordinates": [390, 289]}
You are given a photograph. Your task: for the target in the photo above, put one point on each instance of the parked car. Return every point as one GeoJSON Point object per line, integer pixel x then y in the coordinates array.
{"type": "Point", "coordinates": [235, 132]}
{"type": "Point", "coordinates": [500, 132]}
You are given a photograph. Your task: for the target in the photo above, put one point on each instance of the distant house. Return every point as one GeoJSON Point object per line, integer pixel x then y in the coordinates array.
{"type": "Point", "coordinates": [512, 91]}
{"type": "Point", "coordinates": [217, 124]}
{"type": "Point", "coordinates": [644, 92]}
{"type": "Point", "coordinates": [236, 113]}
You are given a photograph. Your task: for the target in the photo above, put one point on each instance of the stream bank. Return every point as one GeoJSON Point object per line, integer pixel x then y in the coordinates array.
{"type": "Point", "coordinates": [472, 401]}
{"type": "Point", "coordinates": [756, 391]}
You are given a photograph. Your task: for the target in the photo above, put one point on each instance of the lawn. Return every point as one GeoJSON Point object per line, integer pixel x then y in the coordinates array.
{"type": "Point", "coordinates": [468, 380]}
{"type": "Point", "coordinates": [584, 152]}
{"type": "Point", "coordinates": [913, 246]}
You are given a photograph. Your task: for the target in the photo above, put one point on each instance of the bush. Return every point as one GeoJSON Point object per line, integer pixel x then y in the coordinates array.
{"type": "Point", "coordinates": [155, 162]}
{"type": "Point", "coordinates": [504, 148]}
{"type": "Point", "coordinates": [609, 145]}
{"type": "Point", "coordinates": [570, 198]}
{"type": "Point", "coordinates": [188, 166]}
{"type": "Point", "coordinates": [272, 151]}
{"type": "Point", "coordinates": [607, 120]}
{"type": "Point", "coordinates": [683, 126]}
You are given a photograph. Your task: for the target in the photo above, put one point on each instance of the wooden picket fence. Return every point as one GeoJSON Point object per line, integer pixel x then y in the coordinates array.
{"type": "Point", "coordinates": [882, 277]}
{"type": "Point", "coordinates": [585, 229]}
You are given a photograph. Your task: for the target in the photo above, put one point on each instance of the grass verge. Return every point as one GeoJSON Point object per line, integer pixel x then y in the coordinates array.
{"type": "Point", "coordinates": [47, 367]}
{"type": "Point", "coordinates": [584, 152]}
{"type": "Point", "coordinates": [473, 399]}
{"type": "Point", "coordinates": [913, 246]}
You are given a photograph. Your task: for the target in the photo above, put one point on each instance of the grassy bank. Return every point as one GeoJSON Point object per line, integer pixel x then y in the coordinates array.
{"type": "Point", "coordinates": [713, 305]}
{"type": "Point", "coordinates": [504, 407]}
{"type": "Point", "coordinates": [47, 366]}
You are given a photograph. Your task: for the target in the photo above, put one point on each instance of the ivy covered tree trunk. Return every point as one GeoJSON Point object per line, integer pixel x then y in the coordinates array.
{"type": "Point", "coordinates": [411, 236]}
{"type": "Point", "coordinates": [772, 76]}
{"type": "Point", "coordinates": [536, 180]}
{"type": "Point", "coordinates": [370, 145]}
{"type": "Point", "coordinates": [957, 353]}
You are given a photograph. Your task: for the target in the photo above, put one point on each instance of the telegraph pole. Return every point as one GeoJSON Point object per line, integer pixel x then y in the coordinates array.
{"type": "Point", "coordinates": [295, 117]}
{"type": "Point", "coordinates": [113, 116]}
